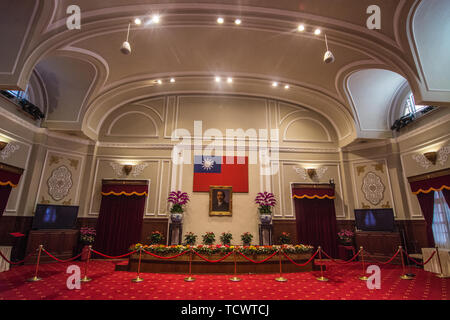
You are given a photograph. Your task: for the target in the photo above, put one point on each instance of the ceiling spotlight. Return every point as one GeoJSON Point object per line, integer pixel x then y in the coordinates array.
{"type": "Point", "coordinates": [172, 80]}
{"type": "Point", "coordinates": [274, 84]}
{"type": "Point", "coordinates": [126, 47]}
{"type": "Point", "coordinates": [159, 81]}
{"type": "Point", "coordinates": [317, 31]}
{"type": "Point", "coordinates": [238, 21]}
{"type": "Point", "coordinates": [156, 18]}
{"type": "Point", "coordinates": [328, 57]}
{"type": "Point", "coordinates": [218, 79]}
{"type": "Point", "coordinates": [137, 21]}
{"type": "Point", "coordinates": [220, 20]}
{"type": "Point", "coordinates": [301, 27]}
{"type": "Point", "coordinates": [229, 80]}
{"type": "Point", "coordinates": [286, 87]}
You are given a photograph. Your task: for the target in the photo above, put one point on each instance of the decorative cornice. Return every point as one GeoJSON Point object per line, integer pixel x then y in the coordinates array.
{"type": "Point", "coordinates": [430, 175]}
{"type": "Point", "coordinates": [10, 168]}
{"type": "Point", "coordinates": [124, 182]}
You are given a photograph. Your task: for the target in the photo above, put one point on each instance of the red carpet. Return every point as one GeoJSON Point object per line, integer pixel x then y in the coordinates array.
{"type": "Point", "coordinates": [109, 284]}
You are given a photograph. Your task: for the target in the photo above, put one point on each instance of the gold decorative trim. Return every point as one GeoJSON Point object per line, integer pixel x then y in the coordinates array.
{"type": "Point", "coordinates": [12, 169]}
{"type": "Point", "coordinates": [125, 182]}
{"type": "Point", "coordinates": [430, 175]}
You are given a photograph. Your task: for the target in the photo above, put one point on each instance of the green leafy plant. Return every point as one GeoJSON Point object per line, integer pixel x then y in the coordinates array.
{"type": "Point", "coordinates": [190, 238]}
{"type": "Point", "coordinates": [226, 237]}
{"type": "Point", "coordinates": [285, 238]}
{"type": "Point", "coordinates": [156, 237]}
{"type": "Point", "coordinates": [209, 238]}
{"type": "Point", "coordinates": [246, 238]}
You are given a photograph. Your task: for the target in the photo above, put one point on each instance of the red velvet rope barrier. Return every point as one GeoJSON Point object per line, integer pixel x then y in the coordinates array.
{"type": "Point", "coordinates": [14, 263]}
{"type": "Point", "coordinates": [389, 261]}
{"type": "Point", "coordinates": [59, 260]}
{"type": "Point", "coordinates": [301, 265]}
{"type": "Point", "coordinates": [213, 261]}
{"type": "Point", "coordinates": [249, 259]}
{"type": "Point", "coordinates": [166, 258]}
{"type": "Point", "coordinates": [111, 257]}
{"type": "Point", "coordinates": [344, 262]}
{"type": "Point", "coordinates": [418, 263]}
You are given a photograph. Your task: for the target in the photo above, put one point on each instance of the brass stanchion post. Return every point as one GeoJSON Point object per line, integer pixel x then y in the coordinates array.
{"type": "Point", "coordinates": [36, 278]}
{"type": "Point", "coordinates": [280, 278]}
{"type": "Point", "coordinates": [363, 277]}
{"type": "Point", "coordinates": [138, 278]}
{"type": "Point", "coordinates": [86, 278]}
{"type": "Point", "coordinates": [404, 276]}
{"type": "Point", "coordinates": [321, 278]}
{"type": "Point", "coordinates": [190, 278]}
{"type": "Point", "coordinates": [235, 278]}
{"type": "Point", "coordinates": [441, 274]}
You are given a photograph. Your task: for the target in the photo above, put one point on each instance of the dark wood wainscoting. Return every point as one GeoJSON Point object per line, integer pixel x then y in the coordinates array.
{"type": "Point", "coordinates": [157, 224]}
{"type": "Point", "coordinates": [288, 226]}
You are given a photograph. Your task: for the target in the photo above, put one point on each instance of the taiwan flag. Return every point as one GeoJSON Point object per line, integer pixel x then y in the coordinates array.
{"type": "Point", "coordinates": [220, 171]}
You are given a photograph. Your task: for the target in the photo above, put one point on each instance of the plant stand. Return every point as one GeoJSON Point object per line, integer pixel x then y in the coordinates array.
{"type": "Point", "coordinates": [265, 234]}
{"type": "Point", "coordinates": [175, 233]}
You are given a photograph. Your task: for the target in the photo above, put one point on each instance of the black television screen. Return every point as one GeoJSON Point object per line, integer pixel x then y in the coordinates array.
{"type": "Point", "coordinates": [55, 217]}
{"type": "Point", "coordinates": [374, 219]}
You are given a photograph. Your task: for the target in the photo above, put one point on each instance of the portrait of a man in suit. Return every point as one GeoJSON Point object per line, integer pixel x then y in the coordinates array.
{"type": "Point", "coordinates": [220, 200]}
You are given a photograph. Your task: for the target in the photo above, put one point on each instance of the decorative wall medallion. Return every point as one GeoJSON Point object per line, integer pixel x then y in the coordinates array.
{"type": "Point", "coordinates": [138, 169]}
{"type": "Point", "coordinates": [117, 168]}
{"type": "Point", "coordinates": [68, 202]}
{"type": "Point", "coordinates": [365, 206]}
{"type": "Point", "coordinates": [60, 183]}
{"type": "Point", "coordinates": [373, 188]}
{"type": "Point", "coordinates": [379, 167]}
{"type": "Point", "coordinates": [443, 155]}
{"type": "Point", "coordinates": [73, 163]}
{"type": "Point", "coordinates": [422, 161]}
{"type": "Point", "coordinates": [386, 205]}
{"type": "Point", "coordinates": [44, 201]}
{"type": "Point", "coordinates": [54, 160]}
{"type": "Point", "coordinates": [9, 150]}
{"type": "Point", "coordinates": [320, 172]}
{"type": "Point", "coordinates": [360, 169]}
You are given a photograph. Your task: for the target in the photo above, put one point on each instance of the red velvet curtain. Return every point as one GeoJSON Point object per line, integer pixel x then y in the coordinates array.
{"type": "Point", "coordinates": [119, 223]}
{"type": "Point", "coordinates": [8, 180]}
{"type": "Point", "coordinates": [447, 196]}
{"type": "Point", "coordinates": [316, 218]}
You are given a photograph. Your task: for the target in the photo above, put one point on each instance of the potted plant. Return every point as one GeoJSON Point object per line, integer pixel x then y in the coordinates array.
{"type": "Point", "coordinates": [190, 238]}
{"type": "Point", "coordinates": [265, 200]}
{"type": "Point", "coordinates": [87, 238]}
{"type": "Point", "coordinates": [178, 200]}
{"type": "Point", "coordinates": [246, 238]}
{"type": "Point", "coordinates": [346, 237]}
{"type": "Point", "coordinates": [285, 238]}
{"type": "Point", "coordinates": [225, 238]}
{"type": "Point", "coordinates": [209, 238]}
{"type": "Point", "coordinates": [156, 237]}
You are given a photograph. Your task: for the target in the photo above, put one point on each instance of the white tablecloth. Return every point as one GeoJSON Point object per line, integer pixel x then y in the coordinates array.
{"type": "Point", "coordinates": [6, 251]}
{"type": "Point", "coordinates": [433, 265]}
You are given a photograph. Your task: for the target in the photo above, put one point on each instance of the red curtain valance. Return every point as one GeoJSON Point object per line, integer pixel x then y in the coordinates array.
{"type": "Point", "coordinates": [8, 178]}
{"type": "Point", "coordinates": [430, 185]}
{"type": "Point", "coordinates": [124, 190]}
{"type": "Point", "coordinates": [313, 193]}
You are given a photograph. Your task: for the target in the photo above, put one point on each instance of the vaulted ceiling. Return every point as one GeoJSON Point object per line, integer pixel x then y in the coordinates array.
{"type": "Point", "coordinates": [84, 74]}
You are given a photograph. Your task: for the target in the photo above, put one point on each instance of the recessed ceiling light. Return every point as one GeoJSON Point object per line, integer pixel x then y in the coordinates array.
{"type": "Point", "coordinates": [301, 27]}
{"type": "Point", "coordinates": [220, 20]}
{"type": "Point", "coordinates": [137, 21]}
{"type": "Point", "coordinates": [159, 81]}
{"type": "Point", "coordinates": [218, 79]}
{"type": "Point", "coordinates": [274, 84]}
{"type": "Point", "coordinates": [287, 86]}
{"type": "Point", "coordinates": [229, 80]}
{"type": "Point", "coordinates": [172, 80]}
{"type": "Point", "coordinates": [237, 21]}
{"type": "Point", "coordinates": [317, 31]}
{"type": "Point", "coordinates": [156, 18]}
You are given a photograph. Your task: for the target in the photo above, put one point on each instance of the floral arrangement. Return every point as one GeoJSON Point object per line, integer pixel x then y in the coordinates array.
{"type": "Point", "coordinates": [222, 249]}
{"type": "Point", "coordinates": [226, 237]}
{"type": "Point", "coordinates": [87, 235]}
{"type": "Point", "coordinates": [190, 238]}
{"type": "Point", "coordinates": [156, 237]}
{"type": "Point", "coordinates": [265, 200]}
{"type": "Point", "coordinates": [178, 200]}
{"type": "Point", "coordinates": [285, 238]}
{"type": "Point", "coordinates": [346, 235]}
{"type": "Point", "coordinates": [246, 238]}
{"type": "Point", "coordinates": [209, 238]}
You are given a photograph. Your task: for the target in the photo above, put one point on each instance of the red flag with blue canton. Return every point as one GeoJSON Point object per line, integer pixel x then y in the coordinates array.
{"type": "Point", "coordinates": [220, 171]}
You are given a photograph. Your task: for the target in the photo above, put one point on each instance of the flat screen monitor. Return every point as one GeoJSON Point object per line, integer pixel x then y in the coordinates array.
{"type": "Point", "coordinates": [55, 217]}
{"type": "Point", "coordinates": [375, 219]}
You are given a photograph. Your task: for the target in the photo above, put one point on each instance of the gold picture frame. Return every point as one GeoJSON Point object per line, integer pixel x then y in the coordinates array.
{"type": "Point", "coordinates": [218, 207]}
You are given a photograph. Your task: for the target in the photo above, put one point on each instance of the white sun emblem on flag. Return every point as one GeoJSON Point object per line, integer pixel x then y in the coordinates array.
{"type": "Point", "coordinates": [208, 164]}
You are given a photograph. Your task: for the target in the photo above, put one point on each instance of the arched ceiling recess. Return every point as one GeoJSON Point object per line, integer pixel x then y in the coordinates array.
{"type": "Point", "coordinates": [373, 94]}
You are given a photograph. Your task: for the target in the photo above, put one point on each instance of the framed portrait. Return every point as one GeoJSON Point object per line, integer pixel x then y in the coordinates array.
{"type": "Point", "coordinates": [220, 200]}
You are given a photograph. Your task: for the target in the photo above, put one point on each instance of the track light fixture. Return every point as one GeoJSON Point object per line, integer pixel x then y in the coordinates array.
{"type": "Point", "coordinates": [126, 48]}
{"type": "Point", "coordinates": [328, 57]}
